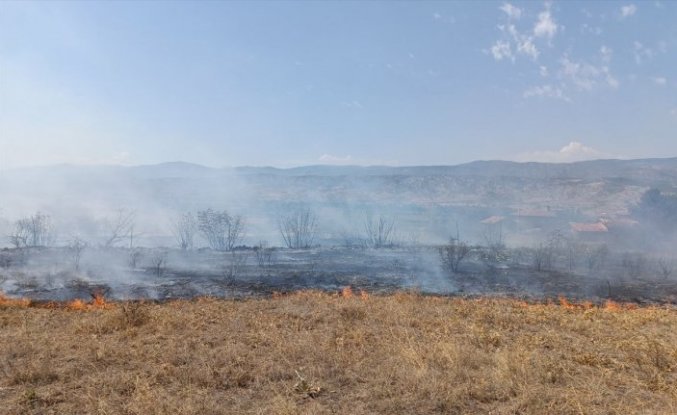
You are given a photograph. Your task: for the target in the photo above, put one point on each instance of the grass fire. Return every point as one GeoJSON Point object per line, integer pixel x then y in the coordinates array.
{"type": "Point", "coordinates": [338, 207]}
{"type": "Point", "coordinates": [313, 352]}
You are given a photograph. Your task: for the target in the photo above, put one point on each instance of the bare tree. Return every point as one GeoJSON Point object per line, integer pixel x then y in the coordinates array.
{"type": "Point", "coordinates": [158, 263]}
{"type": "Point", "coordinates": [235, 264]}
{"type": "Point", "coordinates": [595, 256]}
{"type": "Point", "coordinates": [574, 250]}
{"type": "Point", "coordinates": [120, 228]}
{"type": "Point", "coordinates": [494, 250]}
{"type": "Point", "coordinates": [634, 264]}
{"type": "Point", "coordinates": [298, 229]}
{"type": "Point", "coordinates": [264, 256]}
{"type": "Point", "coordinates": [542, 257]}
{"type": "Point", "coordinates": [76, 246]}
{"type": "Point", "coordinates": [666, 267]}
{"type": "Point", "coordinates": [20, 235]}
{"type": "Point", "coordinates": [184, 228]}
{"type": "Point", "coordinates": [133, 257]}
{"type": "Point", "coordinates": [221, 230]}
{"type": "Point", "coordinates": [32, 231]}
{"type": "Point", "coordinates": [453, 253]}
{"type": "Point", "coordinates": [379, 233]}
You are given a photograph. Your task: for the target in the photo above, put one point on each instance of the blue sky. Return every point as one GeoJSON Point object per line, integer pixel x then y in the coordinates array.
{"type": "Point", "coordinates": [294, 83]}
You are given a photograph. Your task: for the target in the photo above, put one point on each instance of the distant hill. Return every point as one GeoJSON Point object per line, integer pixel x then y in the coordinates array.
{"type": "Point", "coordinates": [426, 195]}
{"type": "Point", "coordinates": [637, 170]}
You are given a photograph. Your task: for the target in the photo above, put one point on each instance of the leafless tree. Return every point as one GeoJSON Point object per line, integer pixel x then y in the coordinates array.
{"type": "Point", "coordinates": [133, 257]}
{"type": "Point", "coordinates": [453, 253]}
{"type": "Point", "coordinates": [120, 227]}
{"type": "Point", "coordinates": [236, 262]}
{"type": "Point", "coordinates": [379, 233]}
{"type": "Point", "coordinates": [298, 229]}
{"type": "Point", "coordinates": [574, 251]}
{"type": "Point", "coordinates": [494, 250]}
{"type": "Point", "coordinates": [32, 231]}
{"type": "Point", "coordinates": [634, 264]}
{"type": "Point", "coordinates": [5, 259]}
{"type": "Point", "coordinates": [184, 228]}
{"type": "Point", "coordinates": [76, 246]}
{"type": "Point", "coordinates": [541, 257]}
{"type": "Point", "coordinates": [264, 256]}
{"type": "Point", "coordinates": [666, 267]}
{"type": "Point", "coordinates": [158, 263]}
{"type": "Point", "coordinates": [545, 254]}
{"type": "Point", "coordinates": [555, 243]}
{"type": "Point", "coordinates": [222, 231]}
{"type": "Point", "coordinates": [19, 236]}
{"type": "Point", "coordinates": [595, 256]}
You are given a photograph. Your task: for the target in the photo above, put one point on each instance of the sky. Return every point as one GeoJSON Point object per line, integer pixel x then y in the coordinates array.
{"type": "Point", "coordinates": [298, 83]}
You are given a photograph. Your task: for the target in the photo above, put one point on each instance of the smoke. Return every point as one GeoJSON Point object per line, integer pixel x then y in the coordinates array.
{"type": "Point", "coordinates": [509, 213]}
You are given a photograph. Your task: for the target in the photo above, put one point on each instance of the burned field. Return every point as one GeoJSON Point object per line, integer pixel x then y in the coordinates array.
{"type": "Point", "coordinates": [159, 274]}
{"type": "Point", "coordinates": [319, 353]}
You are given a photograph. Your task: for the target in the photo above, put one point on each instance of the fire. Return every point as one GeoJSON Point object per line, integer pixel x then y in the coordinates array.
{"type": "Point", "coordinates": [364, 296]}
{"type": "Point", "coordinates": [611, 305]}
{"type": "Point", "coordinates": [13, 302]}
{"type": "Point", "coordinates": [98, 300]}
{"type": "Point", "coordinates": [565, 303]}
{"type": "Point", "coordinates": [347, 292]}
{"type": "Point", "coordinates": [76, 305]}
{"type": "Point", "coordinates": [569, 305]}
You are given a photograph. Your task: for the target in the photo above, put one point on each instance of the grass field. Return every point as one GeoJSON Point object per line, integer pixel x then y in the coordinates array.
{"type": "Point", "coordinates": [317, 353]}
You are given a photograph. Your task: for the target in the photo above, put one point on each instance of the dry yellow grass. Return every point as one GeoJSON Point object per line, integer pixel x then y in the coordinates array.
{"type": "Point", "coordinates": [314, 353]}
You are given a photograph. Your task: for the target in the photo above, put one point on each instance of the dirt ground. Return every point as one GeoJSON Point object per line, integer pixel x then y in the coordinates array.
{"type": "Point", "coordinates": [320, 353]}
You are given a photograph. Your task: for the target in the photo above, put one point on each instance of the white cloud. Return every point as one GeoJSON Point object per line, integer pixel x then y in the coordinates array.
{"type": "Point", "coordinates": [641, 52]}
{"type": "Point", "coordinates": [594, 30]}
{"type": "Point", "coordinates": [437, 16]}
{"type": "Point", "coordinates": [546, 25]}
{"type": "Point", "coordinates": [546, 91]}
{"type": "Point", "coordinates": [502, 50]}
{"type": "Point", "coordinates": [606, 53]}
{"type": "Point", "coordinates": [574, 151]}
{"type": "Point", "coordinates": [330, 159]}
{"type": "Point", "coordinates": [512, 11]}
{"type": "Point", "coordinates": [586, 76]}
{"type": "Point", "coordinates": [513, 42]}
{"type": "Point", "coordinates": [659, 80]}
{"type": "Point", "coordinates": [524, 44]}
{"type": "Point", "coordinates": [527, 47]}
{"type": "Point", "coordinates": [543, 70]}
{"type": "Point", "coordinates": [673, 112]}
{"type": "Point", "coordinates": [627, 11]}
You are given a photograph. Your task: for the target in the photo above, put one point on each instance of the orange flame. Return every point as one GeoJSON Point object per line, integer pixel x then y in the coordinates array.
{"type": "Point", "coordinates": [364, 296]}
{"type": "Point", "coordinates": [14, 302]}
{"type": "Point", "coordinates": [347, 292]}
{"type": "Point", "coordinates": [76, 305]}
{"type": "Point", "coordinates": [565, 303]}
{"type": "Point", "coordinates": [610, 305]}
{"type": "Point", "coordinates": [98, 301]}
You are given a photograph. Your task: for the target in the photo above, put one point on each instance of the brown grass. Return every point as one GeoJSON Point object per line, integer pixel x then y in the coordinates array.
{"type": "Point", "coordinates": [314, 353]}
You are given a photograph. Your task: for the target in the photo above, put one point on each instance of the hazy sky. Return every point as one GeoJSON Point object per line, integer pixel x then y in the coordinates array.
{"type": "Point", "coordinates": [290, 83]}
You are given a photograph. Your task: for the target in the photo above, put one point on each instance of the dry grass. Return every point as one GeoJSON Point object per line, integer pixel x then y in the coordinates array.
{"type": "Point", "coordinates": [313, 353]}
